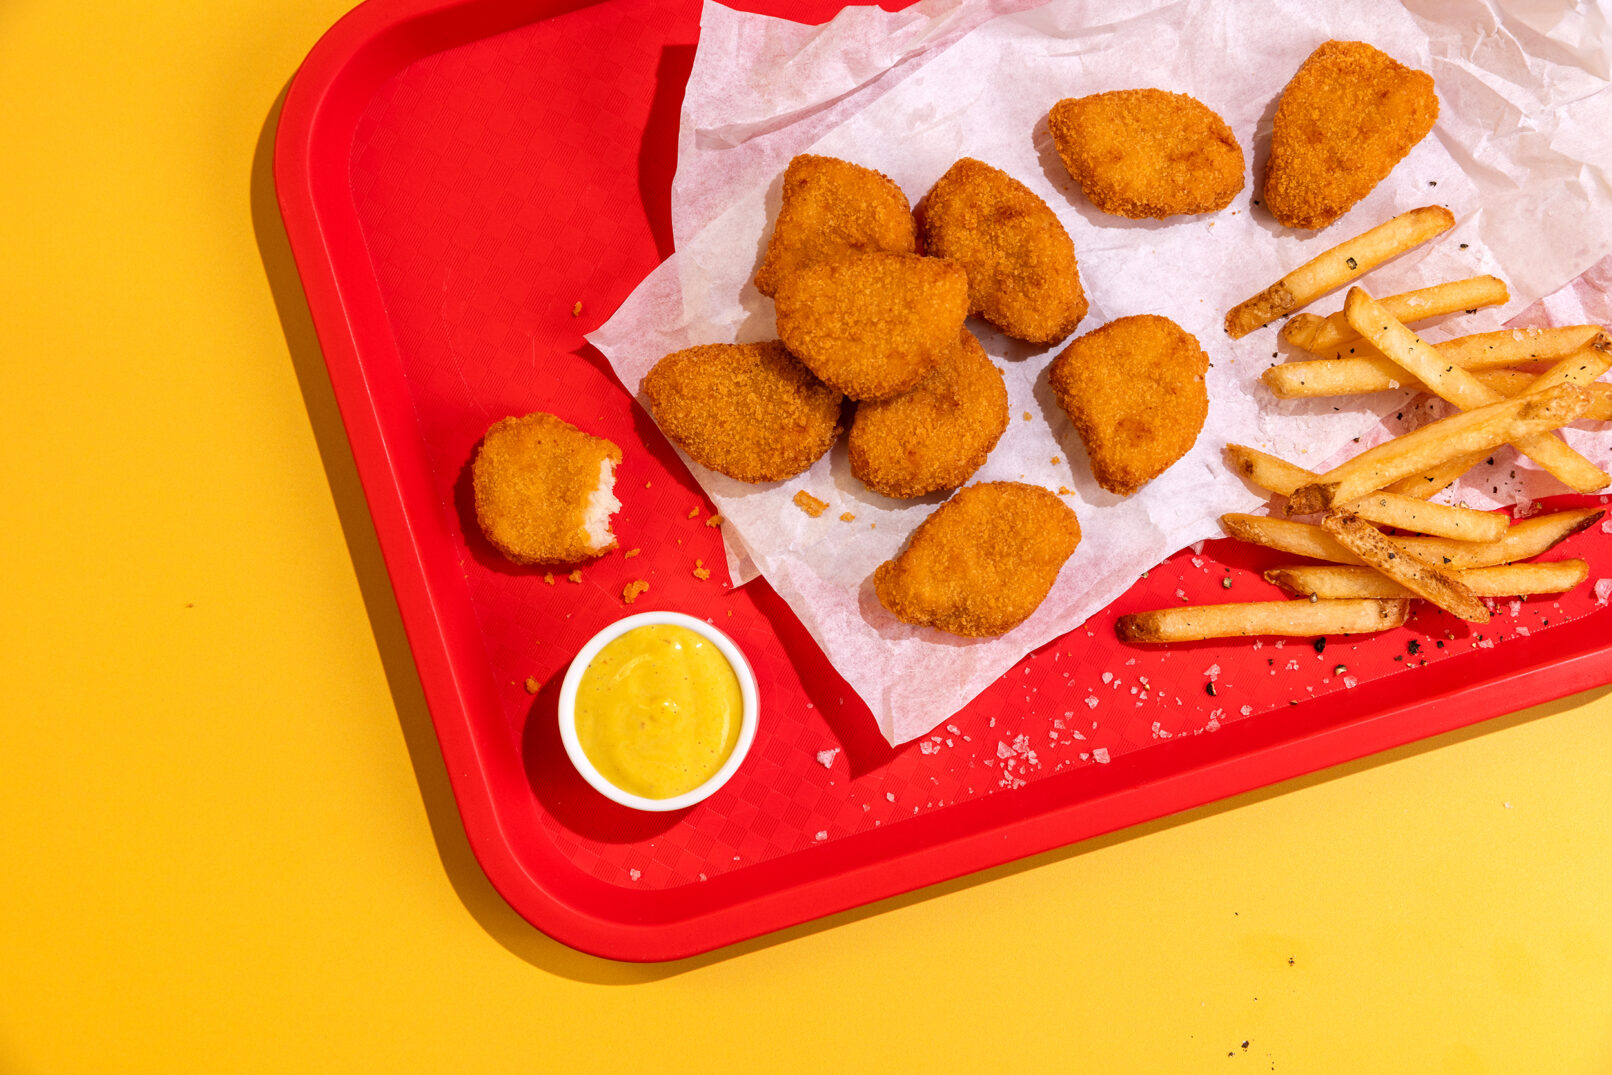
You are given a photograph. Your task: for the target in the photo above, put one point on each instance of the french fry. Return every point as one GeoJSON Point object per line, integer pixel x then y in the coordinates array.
{"type": "Point", "coordinates": [1333, 268]}
{"type": "Point", "coordinates": [1515, 382]}
{"type": "Point", "coordinates": [1456, 385]}
{"type": "Point", "coordinates": [1439, 442]}
{"type": "Point", "coordinates": [1266, 471]}
{"type": "Point", "coordinates": [1325, 335]}
{"type": "Point", "coordinates": [1438, 520]}
{"type": "Point", "coordinates": [1517, 346]}
{"type": "Point", "coordinates": [1189, 623]}
{"type": "Point", "coordinates": [1368, 370]}
{"type": "Point", "coordinates": [1431, 483]}
{"type": "Point", "coordinates": [1337, 581]}
{"type": "Point", "coordinates": [1523, 540]}
{"type": "Point", "coordinates": [1285, 535]}
{"type": "Point", "coordinates": [1357, 375]}
{"type": "Point", "coordinates": [1412, 572]}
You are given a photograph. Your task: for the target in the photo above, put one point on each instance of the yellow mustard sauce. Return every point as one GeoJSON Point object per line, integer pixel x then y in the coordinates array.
{"type": "Point", "coordinates": [658, 711]}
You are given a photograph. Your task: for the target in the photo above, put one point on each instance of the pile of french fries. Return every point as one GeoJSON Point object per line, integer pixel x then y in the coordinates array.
{"type": "Point", "coordinates": [1453, 557]}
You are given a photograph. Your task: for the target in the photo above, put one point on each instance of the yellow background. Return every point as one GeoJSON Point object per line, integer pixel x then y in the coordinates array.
{"type": "Point", "coordinates": [226, 839]}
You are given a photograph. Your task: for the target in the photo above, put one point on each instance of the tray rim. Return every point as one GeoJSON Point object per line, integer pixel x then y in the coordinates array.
{"type": "Point", "coordinates": [380, 38]}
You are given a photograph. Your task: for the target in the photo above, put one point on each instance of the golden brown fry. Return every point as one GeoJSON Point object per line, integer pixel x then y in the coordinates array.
{"type": "Point", "coordinates": [937, 435]}
{"type": "Point", "coordinates": [1432, 482]}
{"type": "Point", "coordinates": [1516, 346]}
{"type": "Point", "coordinates": [1365, 369]}
{"type": "Point", "coordinates": [1348, 116]}
{"type": "Point", "coordinates": [1135, 391]}
{"type": "Point", "coordinates": [1439, 442]}
{"type": "Point", "coordinates": [872, 325]}
{"type": "Point", "coordinates": [1266, 471]}
{"type": "Point", "coordinates": [1514, 382]}
{"type": "Point", "coordinates": [1286, 535]}
{"type": "Point", "coordinates": [543, 490]}
{"type": "Point", "coordinates": [1456, 385]}
{"type": "Point", "coordinates": [1326, 335]}
{"type": "Point", "coordinates": [1190, 623]}
{"type": "Point", "coordinates": [983, 562]}
{"type": "Point", "coordinates": [1022, 275]}
{"type": "Point", "coordinates": [1333, 268]}
{"type": "Point", "coordinates": [1437, 520]}
{"type": "Point", "coordinates": [1526, 539]}
{"type": "Point", "coordinates": [830, 208]}
{"type": "Point", "coordinates": [747, 410]}
{"type": "Point", "coordinates": [1333, 582]}
{"type": "Point", "coordinates": [1410, 571]}
{"type": "Point", "coordinates": [1148, 153]}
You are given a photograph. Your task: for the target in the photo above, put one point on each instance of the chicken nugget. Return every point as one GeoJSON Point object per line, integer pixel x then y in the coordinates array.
{"type": "Point", "coordinates": [1148, 153]}
{"type": "Point", "coordinates": [1136, 394]}
{"type": "Point", "coordinates": [982, 562]}
{"type": "Point", "coordinates": [747, 410]}
{"type": "Point", "coordinates": [872, 325]}
{"type": "Point", "coordinates": [544, 490]}
{"type": "Point", "coordinates": [831, 207]}
{"type": "Point", "coordinates": [937, 435]}
{"type": "Point", "coordinates": [1022, 275]}
{"type": "Point", "coordinates": [1350, 114]}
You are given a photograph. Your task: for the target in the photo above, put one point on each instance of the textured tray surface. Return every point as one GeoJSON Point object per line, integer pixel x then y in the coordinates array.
{"type": "Point", "coordinates": [499, 184]}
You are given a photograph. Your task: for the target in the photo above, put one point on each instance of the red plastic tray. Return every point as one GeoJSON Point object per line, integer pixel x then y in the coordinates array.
{"type": "Point", "coordinates": [455, 177]}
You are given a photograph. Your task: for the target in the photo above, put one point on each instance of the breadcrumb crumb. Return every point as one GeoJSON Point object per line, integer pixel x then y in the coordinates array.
{"type": "Point", "coordinates": [701, 572]}
{"type": "Point", "coordinates": [847, 517]}
{"type": "Point", "coordinates": [631, 591]}
{"type": "Point", "coordinates": [533, 684]}
{"type": "Point", "coordinates": [630, 553]}
{"type": "Point", "coordinates": [576, 311]}
{"type": "Point", "coordinates": [715, 520]}
{"type": "Point", "coordinates": [694, 512]}
{"type": "Point", "coordinates": [575, 576]}
{"type": "Point", "coordinates": [548, 577]}
{"type": "Point", "coordinates": [1055, 460]}
{"type": "Point", "coordinates": [810, 504]}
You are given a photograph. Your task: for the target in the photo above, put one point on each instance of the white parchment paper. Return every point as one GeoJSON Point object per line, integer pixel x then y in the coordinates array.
{"type": "Point", "coordinates": [1520, 155]}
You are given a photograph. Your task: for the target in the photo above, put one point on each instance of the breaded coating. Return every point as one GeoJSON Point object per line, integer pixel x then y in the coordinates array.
{"type": "Point", "coordinates": [872, 325]}
{"type": "Point", "coordinates": [543, 490]}
{"type": "Point", "coordinates": [1022, 275]}
{"type": "Point", "coordinates": [831, 207]}
{"type": "Point", "coordinates": [1135, 392]}
{"type": "Point", "coordinates": [937, 435]}
{"type": "Point", "coordinates": [982, 562]}
{"type": "Point", "coordinates": [1350, 114]}
{"type": "Point", "coordinates": [747, 410]}
{"type": "Point", "coordinates": [1148, 153]}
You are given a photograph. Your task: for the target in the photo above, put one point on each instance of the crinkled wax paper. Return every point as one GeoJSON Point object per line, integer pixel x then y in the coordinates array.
{"type": "Point", "coordinates": [1520, 155]}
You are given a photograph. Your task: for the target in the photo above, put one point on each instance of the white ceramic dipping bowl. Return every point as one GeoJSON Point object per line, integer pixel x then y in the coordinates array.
{"type": "Point", "coordinates": [747, 721]}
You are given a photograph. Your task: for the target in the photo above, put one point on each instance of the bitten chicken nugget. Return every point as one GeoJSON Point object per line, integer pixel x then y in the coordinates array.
{"type": "Point", "coordinates": [1350, 114]}
{"type": "Point", "coordinates": [937, 435]}
{"type": "Point", "coordinates": [983, 562]}
{"type": "Point", "coordinates": [872, 325]}
{"type": "Point", "coordinates": [544, 490]}
{"type": "Point", "coordinates": [1022, 275]}
{"type": "Point", "coordinates": [747, 410]}
{"type": "Point", "coordinates": [832, 207]}
{"type": "Point", "coordinates": [1135, 392]}
{"type": "Point", "coordinates": [1148, 153]}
